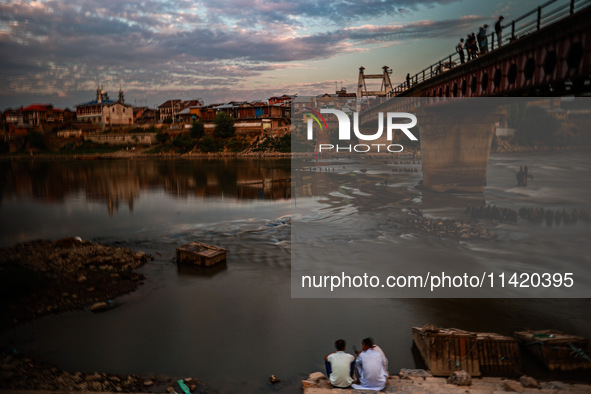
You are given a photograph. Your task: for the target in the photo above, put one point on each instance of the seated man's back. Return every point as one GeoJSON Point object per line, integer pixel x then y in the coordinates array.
{"type": "Point", "coordinates": [339, 366]}
{"type": "Point", "coordinates": [370, 369]}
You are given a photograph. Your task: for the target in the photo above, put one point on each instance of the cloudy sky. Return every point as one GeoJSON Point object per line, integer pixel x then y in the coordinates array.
{"type": "Point", "coordinates": [220, 50]}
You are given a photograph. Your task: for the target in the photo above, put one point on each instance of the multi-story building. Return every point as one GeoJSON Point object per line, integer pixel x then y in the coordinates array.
{"type": "Point", "coordinates": [105, 112]}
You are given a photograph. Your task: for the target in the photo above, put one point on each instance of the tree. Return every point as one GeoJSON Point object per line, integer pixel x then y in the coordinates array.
{"type": "Point", "coordinates": [536, 126]}
{"type": "Point", "coordinates": [197, 130]}
{"type": "Point", "coordinates": [224, 125]}
{"type": "Point", "coordinates": [162, 137]}
{"type": "Point", "coordinates": [183, 143]}
{"type": "Point", "coordinates": [209, 144]}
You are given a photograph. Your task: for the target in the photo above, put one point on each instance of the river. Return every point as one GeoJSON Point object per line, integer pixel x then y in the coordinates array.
{"type": "Point", "coordinates": [235, 325]}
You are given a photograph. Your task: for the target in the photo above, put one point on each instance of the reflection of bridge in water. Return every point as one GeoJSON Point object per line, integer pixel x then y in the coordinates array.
{"type": "Point", "coordinates": [544, 53]}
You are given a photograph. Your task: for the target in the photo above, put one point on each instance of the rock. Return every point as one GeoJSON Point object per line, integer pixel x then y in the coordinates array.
{"type": "Point", "coordinates": [169, 390]}
{"type": "Point", "coordinates": [82, 278]}
{"type": "Point", "coordinates": [192, 387]}
{"type": "Point", "coordinates": [528, 382]}
{"type": "Point", "coordinates": [460, 378]}
{"type": "Point", "coordinates": [513, 386]}
{"type": "Point", "coordinates": [94, 377]}
{"type": "Point", "coordinates": [99, 306]}
{"type": "Point", "coordinates": [148, 383]}
{"type": "Point", "coordinates": [187, 380]}
{"type": "Point", "coordinates": [96, 386]}
{"type": "Point", "coordinates": [141, 256]}
{"type": "Point", "coordinates": [274, 379]}
{"type": "Point", "coordinates": [407, 373]}
{"type": "Point", "coordinates": [316, 377]}
{"type": "Point", "coordinates": [554, 385]}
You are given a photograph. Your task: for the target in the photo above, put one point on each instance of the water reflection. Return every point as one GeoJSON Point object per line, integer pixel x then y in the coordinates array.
{"type": "Point", "coordinates": [115, 183]}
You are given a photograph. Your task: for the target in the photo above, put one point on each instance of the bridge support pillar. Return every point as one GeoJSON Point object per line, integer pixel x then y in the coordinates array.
{"type": "Point", "coordinates": [455, 147]}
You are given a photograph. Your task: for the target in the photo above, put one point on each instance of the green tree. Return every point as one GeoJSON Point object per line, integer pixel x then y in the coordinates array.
{"type": "Point", "coordinates": [209, 144]}
{"type": "Point", "coordinates": [197, 130]}
{"type": "Point", "coordinates": [224, 125]}
{"type": "Point", "coordinates": [183, 143]}
{"type": "Point", "coordinates": [536, 126]}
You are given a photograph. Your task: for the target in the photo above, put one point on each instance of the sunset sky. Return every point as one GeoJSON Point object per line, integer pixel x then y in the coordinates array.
{"type": "Point", "coordinates": [59, 51]}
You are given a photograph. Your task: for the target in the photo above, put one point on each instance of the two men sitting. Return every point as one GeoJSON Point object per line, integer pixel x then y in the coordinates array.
{"type": "Point", "coordinates": [370, 367]}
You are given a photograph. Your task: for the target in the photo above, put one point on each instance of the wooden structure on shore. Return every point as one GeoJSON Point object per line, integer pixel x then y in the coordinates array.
{"type": "Point", "coordinates": [446, 350]}
{"type": "Point", "coordinates": [200, 254]}
{"type": "Point", "coordinates": [556, 350]}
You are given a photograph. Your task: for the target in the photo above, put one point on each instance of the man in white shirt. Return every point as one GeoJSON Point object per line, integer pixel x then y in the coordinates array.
{"type": "Point", "coordinates": [371, 367]}
{"type": "Point", "coordinates": [339, 366]}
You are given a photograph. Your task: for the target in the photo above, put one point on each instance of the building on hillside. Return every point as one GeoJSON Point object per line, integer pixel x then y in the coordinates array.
{"type": "Point", "coordinates": [104, 111]}
{"type": "Point", "coordinates": [284, 100]}
{"type": "Point", "coordinates": [343, 93]}
{"type": "Point", "coordinates": [172, 108]}
{"type": "Point", "coordinates": [145, 115]}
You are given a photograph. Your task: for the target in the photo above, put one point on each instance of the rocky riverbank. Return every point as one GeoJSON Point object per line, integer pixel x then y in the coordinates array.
{"type": "Point", "coordinates": [420, 381]}
{"type": "Point", "coordinates": [43, 277]}
{"type": "Point", "coordinates": [444, 227]}
{"type": "Point", "coordinates": [22, 373]}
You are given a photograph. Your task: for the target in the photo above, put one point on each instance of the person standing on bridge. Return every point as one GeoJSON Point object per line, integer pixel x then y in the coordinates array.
{"type": "Point", "coordinates": [499, 30]}
{"type": "Point", "coordinates": [471, 46]}
{"type": "Point", "coordinates": [460, 50]}
{"type": "Point", "coordinates": [408, 81]}
{"type": "Point", "coordinates": [483, 40]}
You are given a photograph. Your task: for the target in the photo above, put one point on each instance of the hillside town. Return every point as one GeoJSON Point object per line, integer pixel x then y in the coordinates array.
{"type": "Point", "coordinates": [115, 123]}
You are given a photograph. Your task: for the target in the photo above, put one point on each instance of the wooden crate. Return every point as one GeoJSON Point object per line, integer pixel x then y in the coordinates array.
{"type": "Point", "coordinates": [557, 350]}
{"type": "Point", "coordinates": [201, 254]}
{"type": "Point", "coordinates": [446, 350]}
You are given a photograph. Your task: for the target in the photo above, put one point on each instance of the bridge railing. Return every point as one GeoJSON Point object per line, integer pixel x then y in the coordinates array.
{"type": "Point", "coordinates": [528, 23]}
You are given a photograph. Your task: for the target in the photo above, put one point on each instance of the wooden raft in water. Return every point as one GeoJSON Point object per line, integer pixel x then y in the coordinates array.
{"type": "Point", "coordinates": [201, 254]}
{"type": "Point", "coordinates": [446, 350]}
{"type": "Point", "coordinates": [557, 350]}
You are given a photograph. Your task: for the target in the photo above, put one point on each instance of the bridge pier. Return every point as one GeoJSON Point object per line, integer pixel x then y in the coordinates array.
{"type": "Point", "coordinates": [455, 146]}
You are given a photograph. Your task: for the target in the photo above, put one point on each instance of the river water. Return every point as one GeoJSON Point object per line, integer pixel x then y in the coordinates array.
{"type": "Point", "coordinates": [235, 325]}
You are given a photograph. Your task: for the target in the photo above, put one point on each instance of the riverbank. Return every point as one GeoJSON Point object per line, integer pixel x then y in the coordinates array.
{"type": "Point", "coordinates": [26, 373]}
{"type": "Point", "coordinates": [43, 277]}
{"type": "Point", "coordinates": [420, 381]}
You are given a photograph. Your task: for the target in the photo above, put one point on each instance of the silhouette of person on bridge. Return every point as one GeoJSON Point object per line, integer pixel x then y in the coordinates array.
{"type": "Point", "coordinates": [483, 40]}
{"type": "Point", "coordinates": [460, 50]}
{"type": "Point", "coordinates": [499, 30]}
{"type": "Point", "coordinates": [408, 81]}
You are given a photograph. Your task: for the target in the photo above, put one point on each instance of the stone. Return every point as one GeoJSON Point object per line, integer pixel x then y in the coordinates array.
{"type": "Point", "coordinates": [148, 383]}
{"type": "Point", "coordinates": [99, 306]}
{"type": "Point", "coordinates": [528, 382]}
{"type": "Point", "coordinates": [407, 373]}
{"type": "Point", "coordinates": [513, 386]}
{"type": "Point", "coordinates": [554, 385]}
{"type": "Point", "coordinates": [82, 278]}
{"type": "Point", "coordinates": [316, 377]}
{"type": "Point", "coordinates": [460, 378]}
